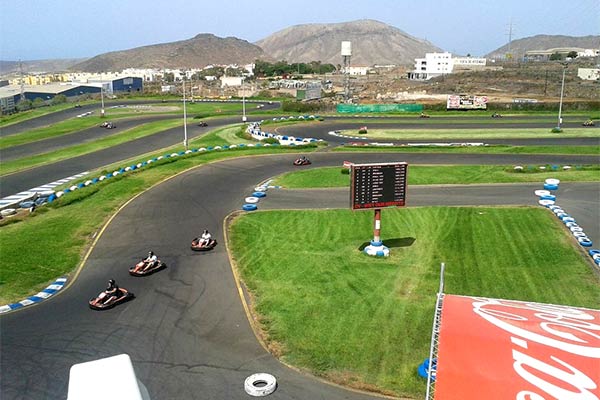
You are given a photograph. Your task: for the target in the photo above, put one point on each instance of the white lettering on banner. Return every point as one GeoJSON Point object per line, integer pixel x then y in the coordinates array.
{"type": "Point", "coordinates": [578, 380]}
{"type": "Point", "coordinates": [526, 395]}
{"type": "Point", "coordinates": [573, 323]}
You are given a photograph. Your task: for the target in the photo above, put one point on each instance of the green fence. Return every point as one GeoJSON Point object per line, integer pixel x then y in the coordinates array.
{"type": "Point", "coordinates": [378, 108]}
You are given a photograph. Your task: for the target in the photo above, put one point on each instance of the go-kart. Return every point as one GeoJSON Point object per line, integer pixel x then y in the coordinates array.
{"type": "Point", "coordinates": [102, 303]}
{"type": "Point", "coordinates": [589, 122]}
{"type": "Point", "coordinates": [302, 161]}
{"type": "Point", "coordinates": [423, 116]}
{"type": "Point", "coordinates": [496, 115]}
{"type": "Point", "coordinates": [198, 244]}
{"type": "Point", "coordinates": [202, 124]}
{"type": "Point", "coordinates": [108, 125]}
{"type": "Point", "coordinates": [139, 268]}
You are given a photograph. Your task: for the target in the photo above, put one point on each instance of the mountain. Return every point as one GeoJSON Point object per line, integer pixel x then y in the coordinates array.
{"type": "Point", "coordinates": [373, 42]}
{"type": "Point", "coordinates": [38, 66]}
{"type": "Point", "coordinates": [543, 42]}
{"type": "Point", "coordinates": [200, 51]}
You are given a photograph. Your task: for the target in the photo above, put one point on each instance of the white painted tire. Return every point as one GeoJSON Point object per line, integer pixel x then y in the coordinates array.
{"type": "Point", "coordinates": [552, 181]}
{"type": "Point", "coordinates": [260, 189]}
{"type": "Point", "coordinates": [576, 229]}
{"type": "Point", "coordinates": [8, 211]}
{"type": "Point", "coordinates": [542, 192]}
{"type": "Point", "coordinates": [252, 200]}
{"type": "Point", "coordinates": [579, 234]}
{"type": "Point", "coordinates": [546, 203]}
{"type": "Point", "coordinates": [259, 385]}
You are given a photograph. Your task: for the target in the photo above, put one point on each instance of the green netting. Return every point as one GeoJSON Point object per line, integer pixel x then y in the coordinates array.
{"type": "Point", "coordinates": [378, 108]}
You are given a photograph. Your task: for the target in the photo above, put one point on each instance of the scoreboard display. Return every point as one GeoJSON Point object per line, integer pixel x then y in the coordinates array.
{"type": "Point", "coordinates": [378, 185]}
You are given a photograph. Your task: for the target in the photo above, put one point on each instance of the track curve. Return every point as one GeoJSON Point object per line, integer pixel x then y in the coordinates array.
{"type": "Point", "coordinates": [186, 331]}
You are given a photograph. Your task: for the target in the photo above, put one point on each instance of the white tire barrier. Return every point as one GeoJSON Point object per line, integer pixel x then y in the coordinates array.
{"type": "Point", "coordinates": [260, 189]}
{"type": "Point", "coordinates": [552, 181]}
{"type": "Point", "coordinates": [259, 385]}
{"type": "Point", "coordinates": [542, 192]}
{"type": "Point", "coordinates": [251, 200]}
{"type": "Point", "coordinates": [546, 203]}
{"type": "Point", "coordinates": [8, 211]}
{"type": "Point", "coordinates": [576, 229]}
{"type": "Point", "coordinates": [579, 234]}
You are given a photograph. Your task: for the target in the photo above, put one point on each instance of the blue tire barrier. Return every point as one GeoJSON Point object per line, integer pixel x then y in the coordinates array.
{"type": "Point", "coordinates": [249, 207]}
{"type": "Point", "coordinates": [194, 150]}
{"type": "Point", "coordinates": [597, 261]}
{"type": "Point", "coordinates": [542, 192]}
{"type": "Point", "coordinates": [593, 252]}
{"type": "Point", "coordinates": [227, 147]}
{"type": "Point", "coordinates": [51, 198]}
{"type": "Point", "coordinates": [552, 181]}
{"type": "Point", "coordinates": [80, 185]}
{"type": "Point", "coordinates": [209, 148]}
{"type": "Point", "coordinates": [585, 241]}
{"type": "Point", "coordinates": [241, 145]}
{"type": "Point", "coordinates": [26, 204]}
{"type": "Point", "coordinates": [548, 197]}
{"type": "Point", "coordinates": [425, 368]}
{"type": "Point", "coordinates": [40, 201]}
{"type": "Point", "coordinates": [550, 187]}
{"type": "Point", "coordinates": [568, 219]}
{"type": "Point", "coordinates": [181, 153]}
{"type": "Point", "coordinates": [133, 167]}
{"type": "Point", "coordinates": [95, 180]}
{"type": "Point", "coordinates": [251, 200]}
{"type": "Point", "coordinates": [66, 190]}
{"type": "Point", "coordinates": [259, 194]}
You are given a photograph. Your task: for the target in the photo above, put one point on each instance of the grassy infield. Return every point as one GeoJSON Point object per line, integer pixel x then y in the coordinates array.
{"type": "Point", "coordinates": [318, 270]}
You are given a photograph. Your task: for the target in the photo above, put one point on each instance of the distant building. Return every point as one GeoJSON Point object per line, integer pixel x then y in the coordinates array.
{"type": "Point", "coordinates": [589, 74]}
{"type": "Point", "coordinates": [228, 81]}
{"type": "Point", "coordinates": [544, 55]}
{"type": "Point", "coordinates": [357, 70]}
{"type": "Point", "coordinates": [436, 64]}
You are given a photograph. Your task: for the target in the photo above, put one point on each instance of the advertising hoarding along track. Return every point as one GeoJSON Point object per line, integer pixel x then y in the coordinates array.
{"type": "Point", "coordinates": [378, 185]}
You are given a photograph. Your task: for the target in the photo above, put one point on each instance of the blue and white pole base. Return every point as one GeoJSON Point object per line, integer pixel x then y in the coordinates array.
{"type": "Point", "coordinates": [377, 249]}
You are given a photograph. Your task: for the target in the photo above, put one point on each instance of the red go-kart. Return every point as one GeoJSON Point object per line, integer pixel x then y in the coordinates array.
{"type": "Point", "coordinates": [104, 301]}
{"type": "Point", "coordinates": [140, 269]}
{"type": "Point", "coordinates": [199, 245]}
{"type": "Point", "coordinates": [302, 161]}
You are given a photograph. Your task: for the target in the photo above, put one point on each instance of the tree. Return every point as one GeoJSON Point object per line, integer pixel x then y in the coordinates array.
{"type": "Point", "coordinates": [572, 54]}
{"type": "Point", "coordinates": [556, 57]}
{"type": "Point", "coordinates": [38, 102]}
{"type": "Point", "coordinates": [59, 99]}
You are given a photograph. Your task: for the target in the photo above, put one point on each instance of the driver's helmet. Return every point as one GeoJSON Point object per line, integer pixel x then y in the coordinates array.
{"type": "Point", "coordinates": [111, 283]}
{"type": "Point", "coordinates": [205, 232]}
{"type": "Point", "coordinates": [150, 254]}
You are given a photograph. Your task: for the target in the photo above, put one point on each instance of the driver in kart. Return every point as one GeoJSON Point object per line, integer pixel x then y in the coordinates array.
{"type": "Point", "coordinates": [112, 291]}
{"type": "Point", "coordinates": [303, 159]}
{"type": "Point", "coordinates": [150, 261]}
{"type": "Point", "coordinates": [205, 238]}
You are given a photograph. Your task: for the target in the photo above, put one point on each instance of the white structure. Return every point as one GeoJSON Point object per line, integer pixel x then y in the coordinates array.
{"type": "Point", "coordinates": [356, 70]}
{"type": "Point", "coordinates": [436, 64]}
{"type": "Point", "coordinates": [231, 81]}
{"type": "Point", "coordinates": [106, 378]}
{"type": "Point", "coordinates": [589, 74]}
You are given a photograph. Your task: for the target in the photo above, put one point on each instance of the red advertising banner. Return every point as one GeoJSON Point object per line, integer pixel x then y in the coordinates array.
{"type": "Point", "coordinates": [503, 349]}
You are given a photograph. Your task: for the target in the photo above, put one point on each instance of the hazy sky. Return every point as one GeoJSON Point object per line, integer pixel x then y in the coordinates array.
{"type": "Point", "coordinates": [42, 29]}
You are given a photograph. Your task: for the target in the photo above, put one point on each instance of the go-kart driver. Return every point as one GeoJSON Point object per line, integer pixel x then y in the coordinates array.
{"type": "Point", "coordinates": [205, 238]}
{"type": "Point", "coordinates": [150, 261]}
{"type": "Point", "coordinates": [112, 291]}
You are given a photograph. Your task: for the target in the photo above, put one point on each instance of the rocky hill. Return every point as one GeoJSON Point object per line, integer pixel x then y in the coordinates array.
{"type": "Point", "coordinates": [200, 51]}
{"type": "Point", "coordinates": [373, 42]}
{"type": "Point", "coordinates": [38, 66]}
{"type": "Point", "coordinates": [543, 42]}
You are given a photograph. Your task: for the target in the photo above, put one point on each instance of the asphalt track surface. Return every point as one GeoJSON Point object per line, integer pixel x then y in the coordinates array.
{"type": "Point", "coordinates": [186, 331]}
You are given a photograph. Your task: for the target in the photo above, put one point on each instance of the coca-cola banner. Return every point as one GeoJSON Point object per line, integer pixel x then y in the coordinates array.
{"type": "Point", "coordinates": [504, 349]}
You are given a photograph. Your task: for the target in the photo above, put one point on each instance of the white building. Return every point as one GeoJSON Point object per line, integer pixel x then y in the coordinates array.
{"type": "Point", "coordinates": [589, 74]}
{"type": "Point", "coordinates": [357, 70]}
{"type": "Point", "coordinates": [231, 81]}
{"type": "Point", "coordinates": [436, 64]}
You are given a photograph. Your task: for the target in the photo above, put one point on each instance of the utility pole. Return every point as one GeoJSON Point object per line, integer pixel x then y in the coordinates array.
{"type": "Point", "coordinates": [562, 90]}
{"type": "Point", "coordinates": [510, 35]}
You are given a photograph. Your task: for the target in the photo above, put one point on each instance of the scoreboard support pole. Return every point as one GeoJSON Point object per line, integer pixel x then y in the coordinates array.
{"type": "Point", "coordinates": [376, 248]}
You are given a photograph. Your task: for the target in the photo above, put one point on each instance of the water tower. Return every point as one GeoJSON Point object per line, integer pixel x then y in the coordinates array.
{"type": "Point", "coordinates": [346, 55]}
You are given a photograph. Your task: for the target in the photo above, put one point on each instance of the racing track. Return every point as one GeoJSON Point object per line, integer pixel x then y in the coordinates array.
{"type": "Point", "coordinates": [186, 331]}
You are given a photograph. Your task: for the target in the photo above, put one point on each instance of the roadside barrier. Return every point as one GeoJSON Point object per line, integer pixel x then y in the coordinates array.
{"type": "Point", "coordinates": [44, 294]}
{"type": "Point", "coordinates": [548, 200]}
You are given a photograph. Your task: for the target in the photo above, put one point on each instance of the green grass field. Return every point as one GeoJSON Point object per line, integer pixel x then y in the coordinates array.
{"type": "Point", "coordinates": [494, 149]}
{"type": "Point", "coordinates": [439, 174]}
{"type": "Point", "coordinates": [366, 322]}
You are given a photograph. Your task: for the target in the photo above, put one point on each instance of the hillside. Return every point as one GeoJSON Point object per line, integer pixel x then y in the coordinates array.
{"type": "Point", "coordinates": [202, 50]}
{"type": "Point", "coordinates": [38, 66]}
{"type": "Point", "coordinates": [373, 42]}
{"type": "Point", "coordinates": [543, 42]}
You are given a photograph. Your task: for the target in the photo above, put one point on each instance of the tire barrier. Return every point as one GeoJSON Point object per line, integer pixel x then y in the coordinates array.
{"type": "Point", "coordinates": [249, 207]}
{"type": "Point", "coordinates": [542, 192]}
{"type": "Point", "coordinates": [548, 197]}
{"type": "Point", "coordinates": [576, 229]}
{"type": "Point", "coordinates": [546, 203]}
{"type": "Point", "coordinates": [427, 368]}
{"type": "Point", "coordinates": [259, 385]}
{"type": "Point", "coordinates": [585, 241]}
{"type": "Point", "coordinates": [552, 181]}
{"type": "Point", "coordinates": [251, 200]}
{"type": "Point", "coordinates": [548, 186]}
{"type": "Point", "coordinates": [8, 212]}
{"type": "Point", "coordinates": [261, 188]}
{"type": "Point", "coordinates": [259, 194]}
